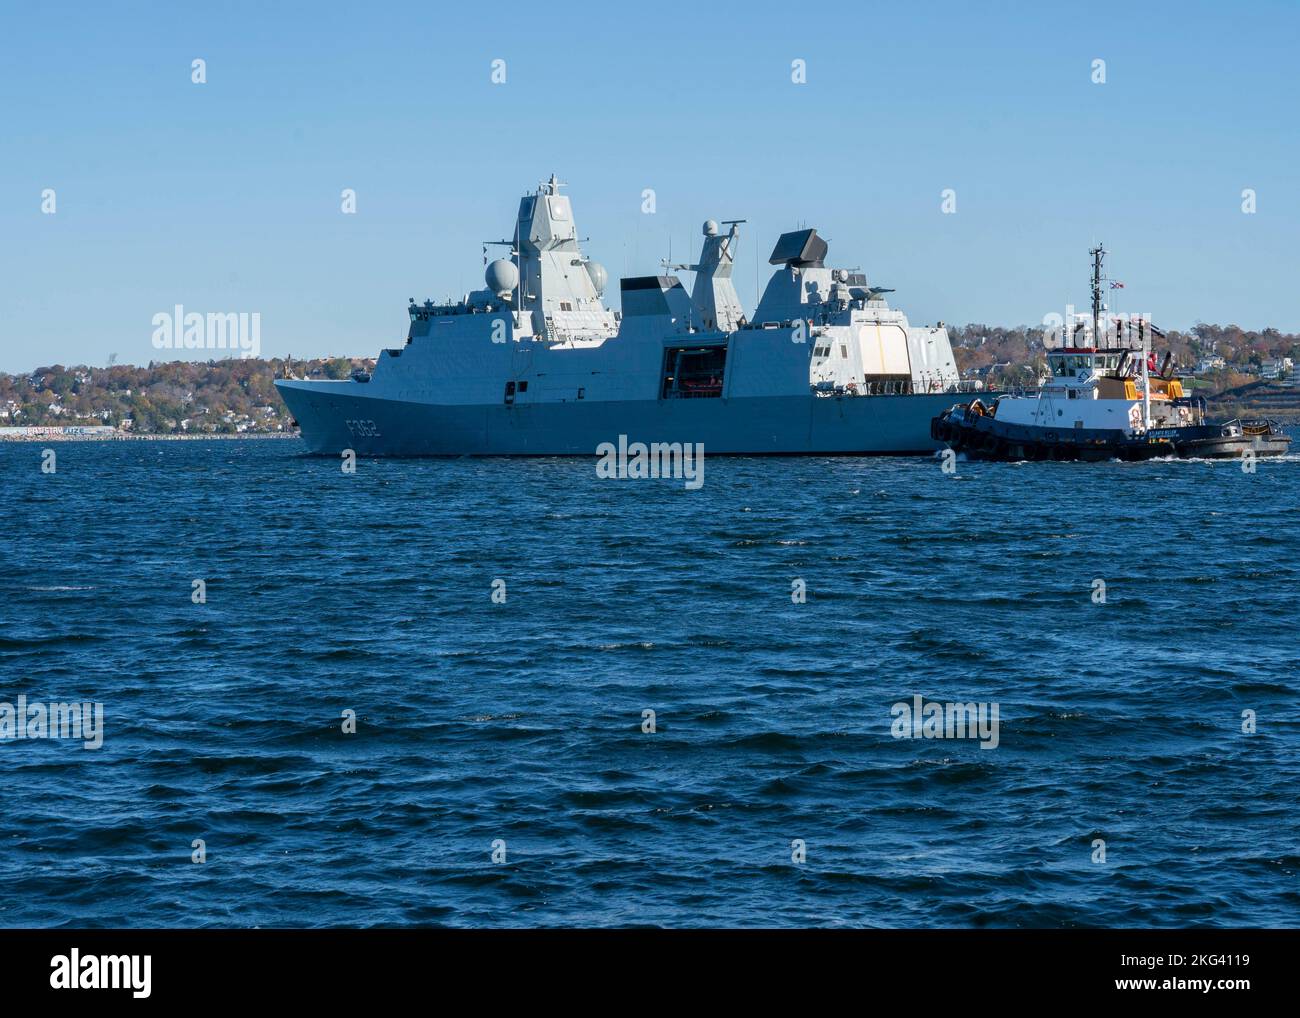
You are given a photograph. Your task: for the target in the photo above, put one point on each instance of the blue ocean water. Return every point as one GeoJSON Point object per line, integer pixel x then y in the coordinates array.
{"type": "Point", "coordinates": [522, 722]}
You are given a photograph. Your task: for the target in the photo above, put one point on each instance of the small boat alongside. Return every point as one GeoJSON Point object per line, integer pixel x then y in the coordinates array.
{"type": "Point", "coordinates": [1106, 400]}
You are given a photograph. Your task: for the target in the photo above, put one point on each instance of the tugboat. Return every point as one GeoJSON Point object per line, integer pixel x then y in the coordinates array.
{"type": "Point", "coordinates": [1106, 400]}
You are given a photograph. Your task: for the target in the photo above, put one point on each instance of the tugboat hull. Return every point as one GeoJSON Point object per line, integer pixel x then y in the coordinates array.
{"type": "Point", "coordinates": [981, 436]}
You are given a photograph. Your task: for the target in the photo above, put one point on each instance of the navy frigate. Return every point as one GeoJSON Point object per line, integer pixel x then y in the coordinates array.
{"type": "Point", "coordinates": [536, 364]}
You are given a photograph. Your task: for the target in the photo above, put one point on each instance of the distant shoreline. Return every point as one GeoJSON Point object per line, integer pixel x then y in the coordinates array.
{"type": "Point", "coordinates": [126, 436]}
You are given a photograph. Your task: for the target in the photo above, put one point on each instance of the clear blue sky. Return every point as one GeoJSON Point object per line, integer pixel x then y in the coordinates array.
{"type": "Point", "coordinates": [225, 196]}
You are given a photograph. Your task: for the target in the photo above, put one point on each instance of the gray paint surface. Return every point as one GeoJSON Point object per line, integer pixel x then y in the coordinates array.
{"type": "Point", "coordinates": [546, 369]}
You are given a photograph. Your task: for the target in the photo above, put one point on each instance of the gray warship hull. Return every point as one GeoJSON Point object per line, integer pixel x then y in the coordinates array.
{"type": "Point", "coordinates": [770, 425]}
{"type": "Point", "coordinates": [535, 364]}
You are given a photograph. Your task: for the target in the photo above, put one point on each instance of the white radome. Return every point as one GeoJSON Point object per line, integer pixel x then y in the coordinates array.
{"type": "Point", "coordinates": [502, 276]}
{"type": "Point", "coordinates": [599, 277]}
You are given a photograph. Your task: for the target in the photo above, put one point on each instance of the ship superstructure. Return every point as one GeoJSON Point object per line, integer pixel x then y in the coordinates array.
{"type": "Point", "coordinates": [536, 364]}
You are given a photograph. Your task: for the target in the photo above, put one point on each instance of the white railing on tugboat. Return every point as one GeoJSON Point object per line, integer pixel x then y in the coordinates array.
{"type": "Point", "coordinates": [898, 387]}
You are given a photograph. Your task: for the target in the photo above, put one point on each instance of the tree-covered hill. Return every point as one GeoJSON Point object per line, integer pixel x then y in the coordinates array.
{"type": "Point", "coordinates": [1007, 357]}
{"type": "Point", "coordinates": [214, 397]}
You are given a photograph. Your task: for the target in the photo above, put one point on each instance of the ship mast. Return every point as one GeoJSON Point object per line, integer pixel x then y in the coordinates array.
{"type": "Point", "coordinates": [1098, 255]}
{"type": "Point", "coordinates": [1146, 375]}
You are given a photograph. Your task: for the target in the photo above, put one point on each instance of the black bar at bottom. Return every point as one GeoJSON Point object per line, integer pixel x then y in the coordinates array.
{"type": "Point", "coordinates": [336, 967]}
